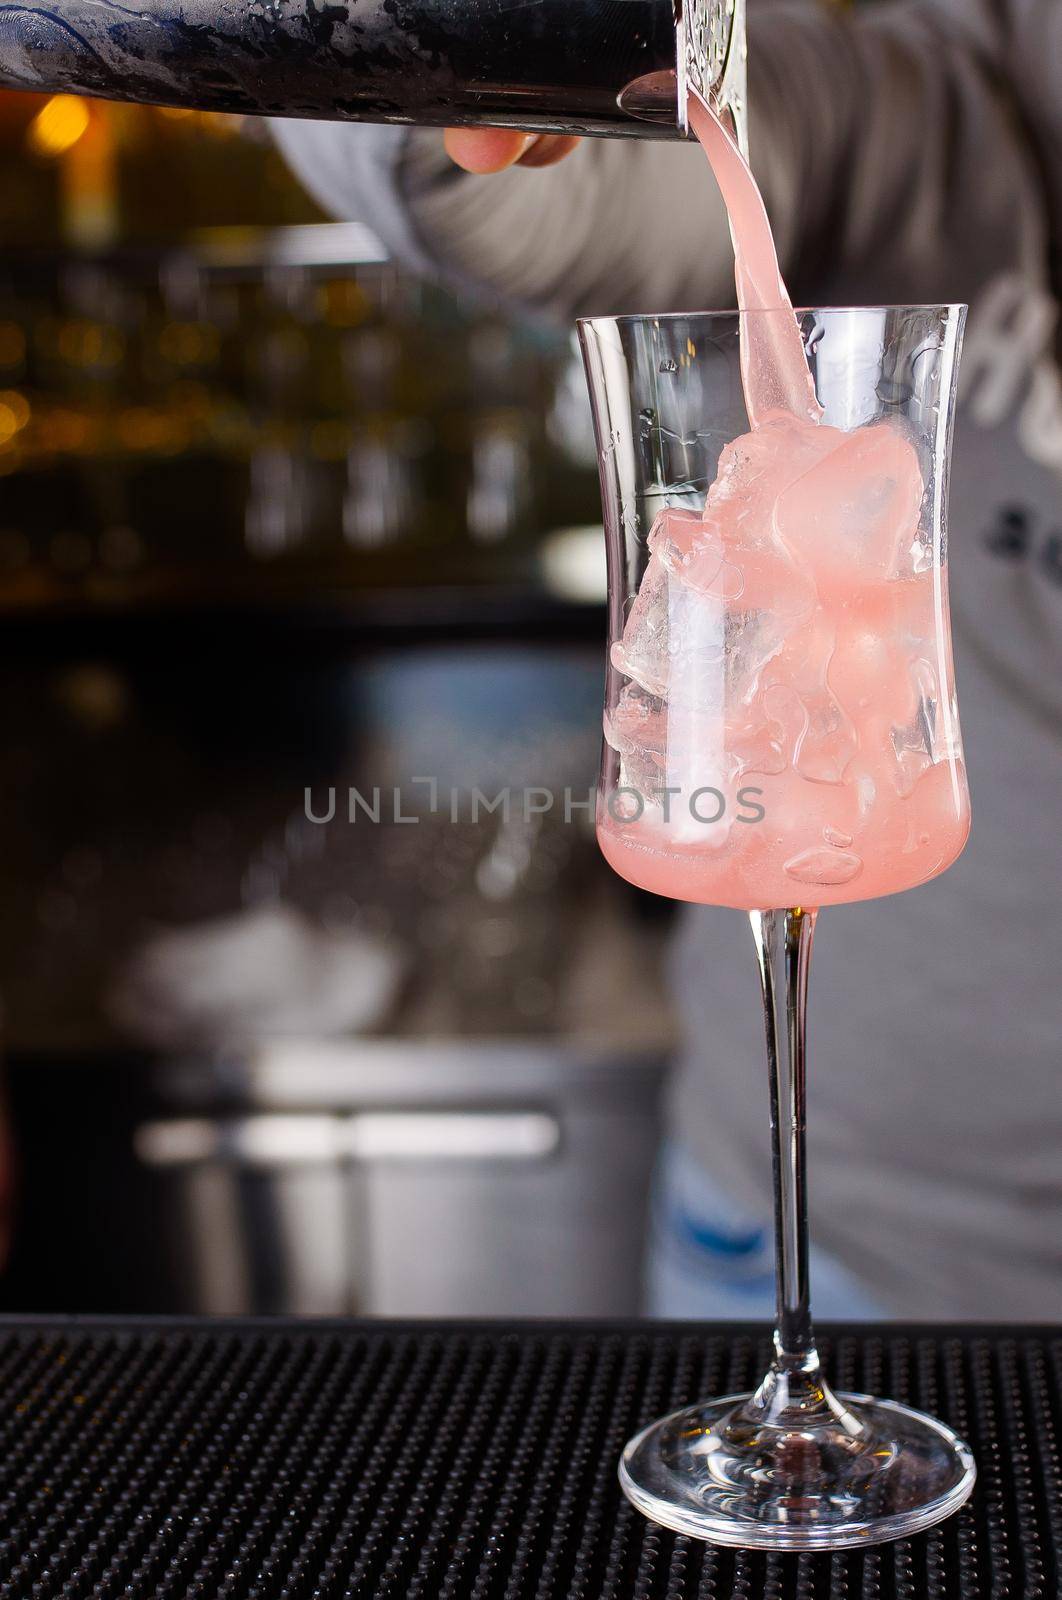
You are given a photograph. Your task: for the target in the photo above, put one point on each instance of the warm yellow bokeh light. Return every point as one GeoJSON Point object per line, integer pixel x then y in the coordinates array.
{"type": "Point", "coordinates": [17, 404]}
{"type": "Point", "coordinates": [59, 125]}
{"type": "Point", "coordinates": [14, 413]}
{"type": "Point", "coordinates": [90, 344]}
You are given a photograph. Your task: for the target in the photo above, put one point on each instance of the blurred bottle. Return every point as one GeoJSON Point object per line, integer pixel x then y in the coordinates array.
{"type": "Point", "coordinates": [502, 424]}
{"type": "Point", "coordinates": [499, 497]}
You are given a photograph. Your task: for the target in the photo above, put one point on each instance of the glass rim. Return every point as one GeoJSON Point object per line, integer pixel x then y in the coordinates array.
{"type": "Point", "coordinates": [629, 317]}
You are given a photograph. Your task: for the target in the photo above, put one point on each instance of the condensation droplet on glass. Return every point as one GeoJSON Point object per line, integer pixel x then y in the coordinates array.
{"type": "Point", "coordinates": [834, 836]}
{"type": "Point", "coordinates": [825, 867]}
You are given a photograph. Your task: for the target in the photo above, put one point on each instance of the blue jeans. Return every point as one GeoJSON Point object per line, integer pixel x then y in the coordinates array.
{"type": "Point", "coordinates": [709, 1261]}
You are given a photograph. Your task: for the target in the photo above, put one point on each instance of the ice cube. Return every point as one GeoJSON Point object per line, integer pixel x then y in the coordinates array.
{"type": "Point", "coordinates": [752, 599]}
{"type": "Point", "coordinates": [938, 812]}
{"type": "Point", "coordinates": [668, 754]}
{"type": "Point", "coordinates": [828, 742]}
{"type": "Point", "coordinates": [636, 728]}
{"type": "Point", "coordinates": [674, 639]}
{"type": "Point", "coordinates": [854, 515]}
{"type": "Point", "coordinates": [931, 735]}
{"type": "Point", "coordinates": [881, 637]}
{"type": "Point", "coordinates": [825, 736]}
{"type": "Point", "coordinates": [755, 468]}
{"type": "Point", "coordinates": [761, 740]}
{"type": "Point", "coordinates": [700, 562]}
{"type": "Point", "coordinates": [642, 653]}
{"type": "Point", "coordinates": [865, 666]}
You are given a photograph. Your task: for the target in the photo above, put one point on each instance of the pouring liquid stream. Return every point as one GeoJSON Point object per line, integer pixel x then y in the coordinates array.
{"type": "Point", "coordinates": [774, 367]}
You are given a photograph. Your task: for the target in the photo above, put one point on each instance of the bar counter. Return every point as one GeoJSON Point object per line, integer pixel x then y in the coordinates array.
{"type": "Point", "coordinates": [275, 1460]}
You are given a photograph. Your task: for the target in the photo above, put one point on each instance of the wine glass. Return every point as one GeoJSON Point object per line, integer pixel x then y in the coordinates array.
{"type": "Point", "coordinates": [781, 734]}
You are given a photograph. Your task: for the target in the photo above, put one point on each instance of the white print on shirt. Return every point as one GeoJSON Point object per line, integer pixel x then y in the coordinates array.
{"type": "Point", "coordinates": [1008, 366]}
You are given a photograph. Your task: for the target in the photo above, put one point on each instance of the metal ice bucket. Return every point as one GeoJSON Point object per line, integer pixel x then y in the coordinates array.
{"type": "Point", "coordinates": [409, 1177]}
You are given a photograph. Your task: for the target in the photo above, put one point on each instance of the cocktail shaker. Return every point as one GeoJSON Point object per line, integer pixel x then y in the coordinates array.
{"type": "Point", "coordinates": [559, 66]}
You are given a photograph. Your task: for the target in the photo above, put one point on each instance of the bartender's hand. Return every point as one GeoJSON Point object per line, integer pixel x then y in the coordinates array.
{"type": "Point", "coordinates": [494, 149]}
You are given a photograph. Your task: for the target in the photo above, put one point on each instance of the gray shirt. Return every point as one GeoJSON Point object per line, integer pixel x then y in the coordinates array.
{"type": "Point", "coordinates": [911, 151]}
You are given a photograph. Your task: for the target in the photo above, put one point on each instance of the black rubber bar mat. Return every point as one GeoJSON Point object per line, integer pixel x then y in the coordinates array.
{"type": "Point", "coordinates": [318, 1461]}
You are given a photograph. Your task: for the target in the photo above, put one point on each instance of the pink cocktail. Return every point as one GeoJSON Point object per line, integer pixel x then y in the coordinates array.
{"type": "Point", "coordinates": [787, 732]}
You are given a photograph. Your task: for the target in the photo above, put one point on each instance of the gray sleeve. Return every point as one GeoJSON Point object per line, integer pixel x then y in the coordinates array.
{"type": "Point", "coordinates": [888, 154]}
{"type": "Point", "coordinates": [356, 173]}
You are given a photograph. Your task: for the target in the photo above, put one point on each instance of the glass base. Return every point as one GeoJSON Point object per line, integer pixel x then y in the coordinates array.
{"type": "Point", "coordinates": [853, 1471]}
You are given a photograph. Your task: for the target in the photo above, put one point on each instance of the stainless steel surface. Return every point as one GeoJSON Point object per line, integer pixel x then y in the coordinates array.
{"type": "Point", "coordinates": [711, 58]}
{"type": "Point", "coordinates": [410, 1178]}
{"type": "Point", "coordinates": [537, 64]}
{"type": "Point", "coordinates": [296, 1140]}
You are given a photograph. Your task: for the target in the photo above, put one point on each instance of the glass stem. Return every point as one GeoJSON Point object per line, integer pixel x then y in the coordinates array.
{"type": "Point", "coordinates": [783, 944]}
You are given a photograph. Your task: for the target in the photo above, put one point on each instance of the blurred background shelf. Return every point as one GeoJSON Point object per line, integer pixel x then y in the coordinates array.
{"type": "Point", "coordinates": [278, 520]}
{"type": "Point", "coordinates": [296, 430]}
